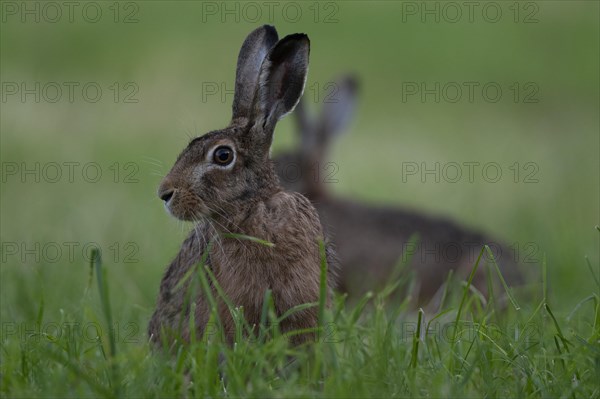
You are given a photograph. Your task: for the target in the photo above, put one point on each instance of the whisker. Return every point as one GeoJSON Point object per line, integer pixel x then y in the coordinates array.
{"type": "Point", "coordinates": [153, 163]}
{"type": "Point", "coordinates": [217, 238]}
{"type": "Point", "coordinates": [149, 158]}
{"type": "Point", "coordinates": [199, 235]}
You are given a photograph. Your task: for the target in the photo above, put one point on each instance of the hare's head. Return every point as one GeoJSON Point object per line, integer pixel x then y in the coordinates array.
{"type": "Point", "coordinates": [224, 171]}
{"type": "Point", "coordinates": [301, 169]}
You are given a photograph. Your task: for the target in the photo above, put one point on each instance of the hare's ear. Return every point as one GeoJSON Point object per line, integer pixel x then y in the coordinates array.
{"type": "Point", "coordinates": [338, 108]}
{"type": "Point", "coordinates": [252, 54]}
{"type": "Point", "coordinates": [306, 126]}
{"type": "Point", "coordinates": [281, 81]}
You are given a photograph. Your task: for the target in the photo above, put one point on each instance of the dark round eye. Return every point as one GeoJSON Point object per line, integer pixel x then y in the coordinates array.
{"type": "Point", "coordinates": [223, 155]}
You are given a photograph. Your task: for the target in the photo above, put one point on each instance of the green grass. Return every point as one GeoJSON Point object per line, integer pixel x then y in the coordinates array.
{"type": "Point", "coordinates": [377, 348]}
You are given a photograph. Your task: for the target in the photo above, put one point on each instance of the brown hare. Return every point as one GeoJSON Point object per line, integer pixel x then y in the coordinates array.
{"type": "Point", "coordinates": [371, 240]}
{"type": "Point", "coordinates": [224, 182]}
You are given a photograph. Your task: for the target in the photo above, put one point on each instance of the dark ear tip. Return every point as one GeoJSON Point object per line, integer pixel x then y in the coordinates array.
{"type": "Point", "coordinates": [297, 43]}
{"type": "Point", "coordinates": [268, 33]}
{"type": "Point", "coordinates": [269, 29]}
{"type": "Point", "coordinates": [300, 38]}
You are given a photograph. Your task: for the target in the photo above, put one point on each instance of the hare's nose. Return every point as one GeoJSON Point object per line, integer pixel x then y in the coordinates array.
{"type": "Point", "coordinates": [166, 194]}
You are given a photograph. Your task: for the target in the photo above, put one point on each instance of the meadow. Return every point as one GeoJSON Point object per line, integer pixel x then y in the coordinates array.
{"type": "Point", "coordinates": [96, 106]}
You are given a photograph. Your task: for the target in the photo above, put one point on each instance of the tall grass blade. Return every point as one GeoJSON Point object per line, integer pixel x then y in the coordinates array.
{"type": "Point", "coordinates": [564, 340]}
{"type": "Point", "coordinates": [445, 290]}
{"type": "Point", "coordinates": [323, 284]}
{"type": "Point", "coordinates": [502, 280]}
{"type": "Point", "coordinates": [107, 312]}
{"type": "Point", "coordinates": [596, 279]}
{"type": "Point", "coordinates": [416, 340]}
{"type": "Point", "coordinates": [465, 294]}
{"type": "Point", "coordinates": [104, 299]}
{"type": "Point", "coordinates": [264, 314]}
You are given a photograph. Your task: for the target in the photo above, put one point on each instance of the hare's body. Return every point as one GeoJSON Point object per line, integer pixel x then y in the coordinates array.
{"type": "Point", "coordinates": [368, 258]}
{"type": "Point", "coordinates": [224, 182]}
{"type": "Point", "coordinates": [245, 270]}
{"type": "Point", "coordinates": [371, 240]}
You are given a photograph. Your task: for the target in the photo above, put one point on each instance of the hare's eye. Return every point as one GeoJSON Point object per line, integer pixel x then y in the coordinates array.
{"type": "Point", "coordinates": [223, 155]}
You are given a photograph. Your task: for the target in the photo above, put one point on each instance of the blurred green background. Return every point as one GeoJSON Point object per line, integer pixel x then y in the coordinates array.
{"type": "Point", "coordinates": [171, 53]}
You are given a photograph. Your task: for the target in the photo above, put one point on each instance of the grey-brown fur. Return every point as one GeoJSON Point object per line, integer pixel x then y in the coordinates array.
{"type": "Point", "coordinates": [244, 197]}
{"type": "Point", "coordinates": [370, 240]}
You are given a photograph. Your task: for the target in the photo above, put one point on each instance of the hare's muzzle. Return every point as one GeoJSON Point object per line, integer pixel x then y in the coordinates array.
{"type": "Point", "coordinates": [165, 193]}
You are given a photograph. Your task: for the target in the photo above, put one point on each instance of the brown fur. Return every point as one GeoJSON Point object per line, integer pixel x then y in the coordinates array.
{"type": "Point", "coordinates": [244, 197]}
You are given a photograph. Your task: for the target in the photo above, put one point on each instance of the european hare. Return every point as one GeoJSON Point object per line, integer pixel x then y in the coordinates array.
{"type": "Point", "coordinates": [225, 183]}
{"type": "Point", "coordinates": [371, 240]}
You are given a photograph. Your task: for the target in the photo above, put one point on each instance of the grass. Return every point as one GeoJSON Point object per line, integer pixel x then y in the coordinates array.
{"type": "Point", "coordinates": [374, 348]}
{"type": "Point", "coordinates": [55, 311]}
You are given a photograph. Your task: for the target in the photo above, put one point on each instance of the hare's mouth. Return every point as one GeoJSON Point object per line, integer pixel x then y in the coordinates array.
{"type": "Point", "coordinates": [186, 206]}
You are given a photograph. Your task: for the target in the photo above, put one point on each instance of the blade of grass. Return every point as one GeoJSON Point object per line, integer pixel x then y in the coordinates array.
{"type": "Point", "coordinates": [104, 299]}
{"type": "Point", "coordinates": [544, 279]}
{"type": "Point", "coordinates": [587, 260]}
{"type": "Point", "coordinates": [465, 294]}
{"type": "Point", "coordinates": [323, 283]}
{"type": "Point", "coordinates": [264, 314]}
{"type": "Point", "coordinates": [596, 328]}
{"type": "Point", "coordinates": [295, 309]}
{"type": "Point", "coordinates": [319, 363]}
{"type": "Point", "coordinates": [564, 340]}
{"type": "Point", "coordinates": [416, 340]}
{"type": "Point", "coordinates": [404, 260]}
{"type": "Point", "coordinates": [460, 310]}
{"type": "Point", "coordinates": [445, 291]}
{"type": "Point", "coordinates": [40, 314]}
{"type": "Point", "coordinates": [440, 314]}
{"type": "Point", "coordinates": [248, 238]}
{"type": "Point", "coordinates": [360, 307]}
{"type": "Point", "coordinates": [106, 310]}
{"type": "Point", "coordinates": [502, 280]}
{"type": "Point", "coordinates": [562, 361]}
{"type": "Point", "coordinates": [592, 297]}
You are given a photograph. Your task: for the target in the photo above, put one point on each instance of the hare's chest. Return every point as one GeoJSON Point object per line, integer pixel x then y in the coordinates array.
{"type": "Point", "coordinates": [243, 270]}
{"type": "Point", "coordinates": [290, 268]}
{"type": "Point", "coordinates": [250, 269]}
